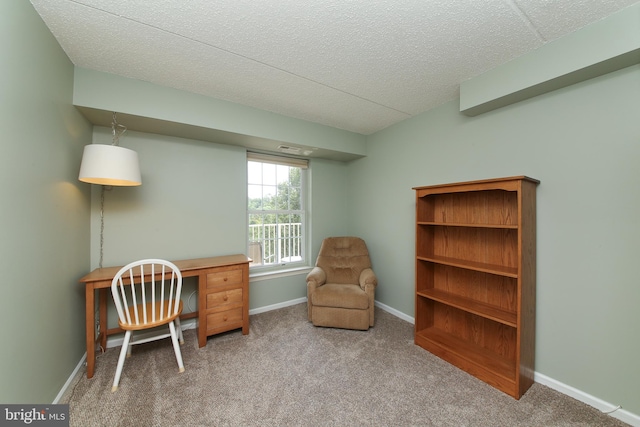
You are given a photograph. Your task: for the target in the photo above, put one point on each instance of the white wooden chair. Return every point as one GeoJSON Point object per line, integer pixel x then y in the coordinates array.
{"type": "Point", "coordinates": [147, 295]}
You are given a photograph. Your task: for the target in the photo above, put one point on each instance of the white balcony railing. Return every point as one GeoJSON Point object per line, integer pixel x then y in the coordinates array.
{"type": "Point", "coordinates": [271, 244]}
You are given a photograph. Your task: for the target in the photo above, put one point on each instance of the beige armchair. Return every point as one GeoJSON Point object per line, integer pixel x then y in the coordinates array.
{"type": "Point", "coordinates": [341, 287]}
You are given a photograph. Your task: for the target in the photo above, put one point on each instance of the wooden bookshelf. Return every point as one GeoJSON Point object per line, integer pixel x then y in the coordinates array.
{"type": "Point", "coordinates": [475, 278]}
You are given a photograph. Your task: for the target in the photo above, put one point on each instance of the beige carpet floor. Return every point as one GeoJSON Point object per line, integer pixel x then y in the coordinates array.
{"type": "Point", "coordinates": [287, 372]}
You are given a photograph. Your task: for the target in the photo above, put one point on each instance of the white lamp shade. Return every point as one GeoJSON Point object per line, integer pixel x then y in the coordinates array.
{"type": "Point", "coordinates": [110, 165]}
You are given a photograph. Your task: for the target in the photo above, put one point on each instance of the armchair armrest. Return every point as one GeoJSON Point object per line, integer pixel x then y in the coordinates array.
{"type": "Point", "coordinates": [368, 279]}
{"type": "Point", "coordinates": [368, 283]}
{"type": "Point", "coordinates": [316, 277]}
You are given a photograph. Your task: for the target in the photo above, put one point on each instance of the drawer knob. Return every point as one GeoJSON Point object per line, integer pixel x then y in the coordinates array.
{"type": "Point", "coordinates": [226, 298]}
{"type": "Point", "coordinates": [225, 318]}
{"type": "Point", "coordinates": [225, 279]}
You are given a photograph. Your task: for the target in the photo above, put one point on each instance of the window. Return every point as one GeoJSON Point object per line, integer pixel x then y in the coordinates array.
{"type": "Point", "coordinates": [276, 205]}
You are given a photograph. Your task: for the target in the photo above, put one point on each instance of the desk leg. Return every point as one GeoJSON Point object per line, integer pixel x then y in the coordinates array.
{"type": "Point", "coordinates": [91, 337]}
{"type": "Point", "coordinates": [202, 304]}
{"type": "Point", "coordinates": [245, 300]}
{"type": "Point", "coordinates": [102, 303]}
{"type": "Point", "coordinates": [245, 320]}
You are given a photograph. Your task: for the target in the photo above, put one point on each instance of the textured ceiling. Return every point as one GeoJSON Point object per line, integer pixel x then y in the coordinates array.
{"type": "Point", "coordinates": [358, 65]}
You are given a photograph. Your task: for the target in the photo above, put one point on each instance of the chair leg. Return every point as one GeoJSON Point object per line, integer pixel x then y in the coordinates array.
{"type": "Point", "coordinates": [123, 355]}
{"type": "Point", "coordinates": [176, 346]}
{"type": "Point", "coordinates": [179, 328]}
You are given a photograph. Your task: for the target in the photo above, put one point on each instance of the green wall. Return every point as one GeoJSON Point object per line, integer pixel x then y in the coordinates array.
{"type": "Point", "coordinates": [44, 242]}
{"type": "Point", "coordinates": [583, 143]}
{"type": "Point", "coordinates": [192, 203]}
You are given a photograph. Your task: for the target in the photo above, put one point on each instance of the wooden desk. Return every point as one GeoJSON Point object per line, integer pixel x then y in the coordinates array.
{"type": "Point", "coordinates": [212, 276]}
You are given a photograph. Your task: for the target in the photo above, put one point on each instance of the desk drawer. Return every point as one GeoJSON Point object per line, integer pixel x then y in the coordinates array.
{"type": "Point", "coordinates": [224, 299]}
{"type": "Point", "coordinates": [224, 278]}
{"type": "Point", "coordinates": [224, 321]}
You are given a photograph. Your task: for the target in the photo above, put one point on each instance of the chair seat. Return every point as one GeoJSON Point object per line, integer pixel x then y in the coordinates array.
{"type": "Point", "coordinates": [149, 322]}
{"type": "Point", "coordinates": [340, 296]}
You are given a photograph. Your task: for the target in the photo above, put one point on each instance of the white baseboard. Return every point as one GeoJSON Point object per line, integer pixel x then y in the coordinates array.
{"type": "Point", "coordinates": [66, 385]}
{"type": "Point", "coordinates": [606, 407]}
{"type": "Point", "coordinates": [396, 313]}
{"type": "Point", "coordinates": [277, 306]}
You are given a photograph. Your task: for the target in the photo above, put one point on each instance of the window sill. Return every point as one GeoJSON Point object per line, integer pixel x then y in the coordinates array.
{"type": "Point", "coordinates": [268, 275]}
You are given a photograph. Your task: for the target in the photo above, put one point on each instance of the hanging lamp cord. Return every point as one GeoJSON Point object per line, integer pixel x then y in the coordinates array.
{"type": "Point", "coordinates": [117, 130]}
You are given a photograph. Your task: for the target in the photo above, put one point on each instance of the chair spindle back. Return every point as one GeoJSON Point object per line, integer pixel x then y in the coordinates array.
{"type": "Point", "coordinates": [135, 290]}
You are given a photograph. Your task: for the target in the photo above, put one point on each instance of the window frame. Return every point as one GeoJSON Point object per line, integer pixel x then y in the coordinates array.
{"type": "Point", "coordinates": [257, 270]}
